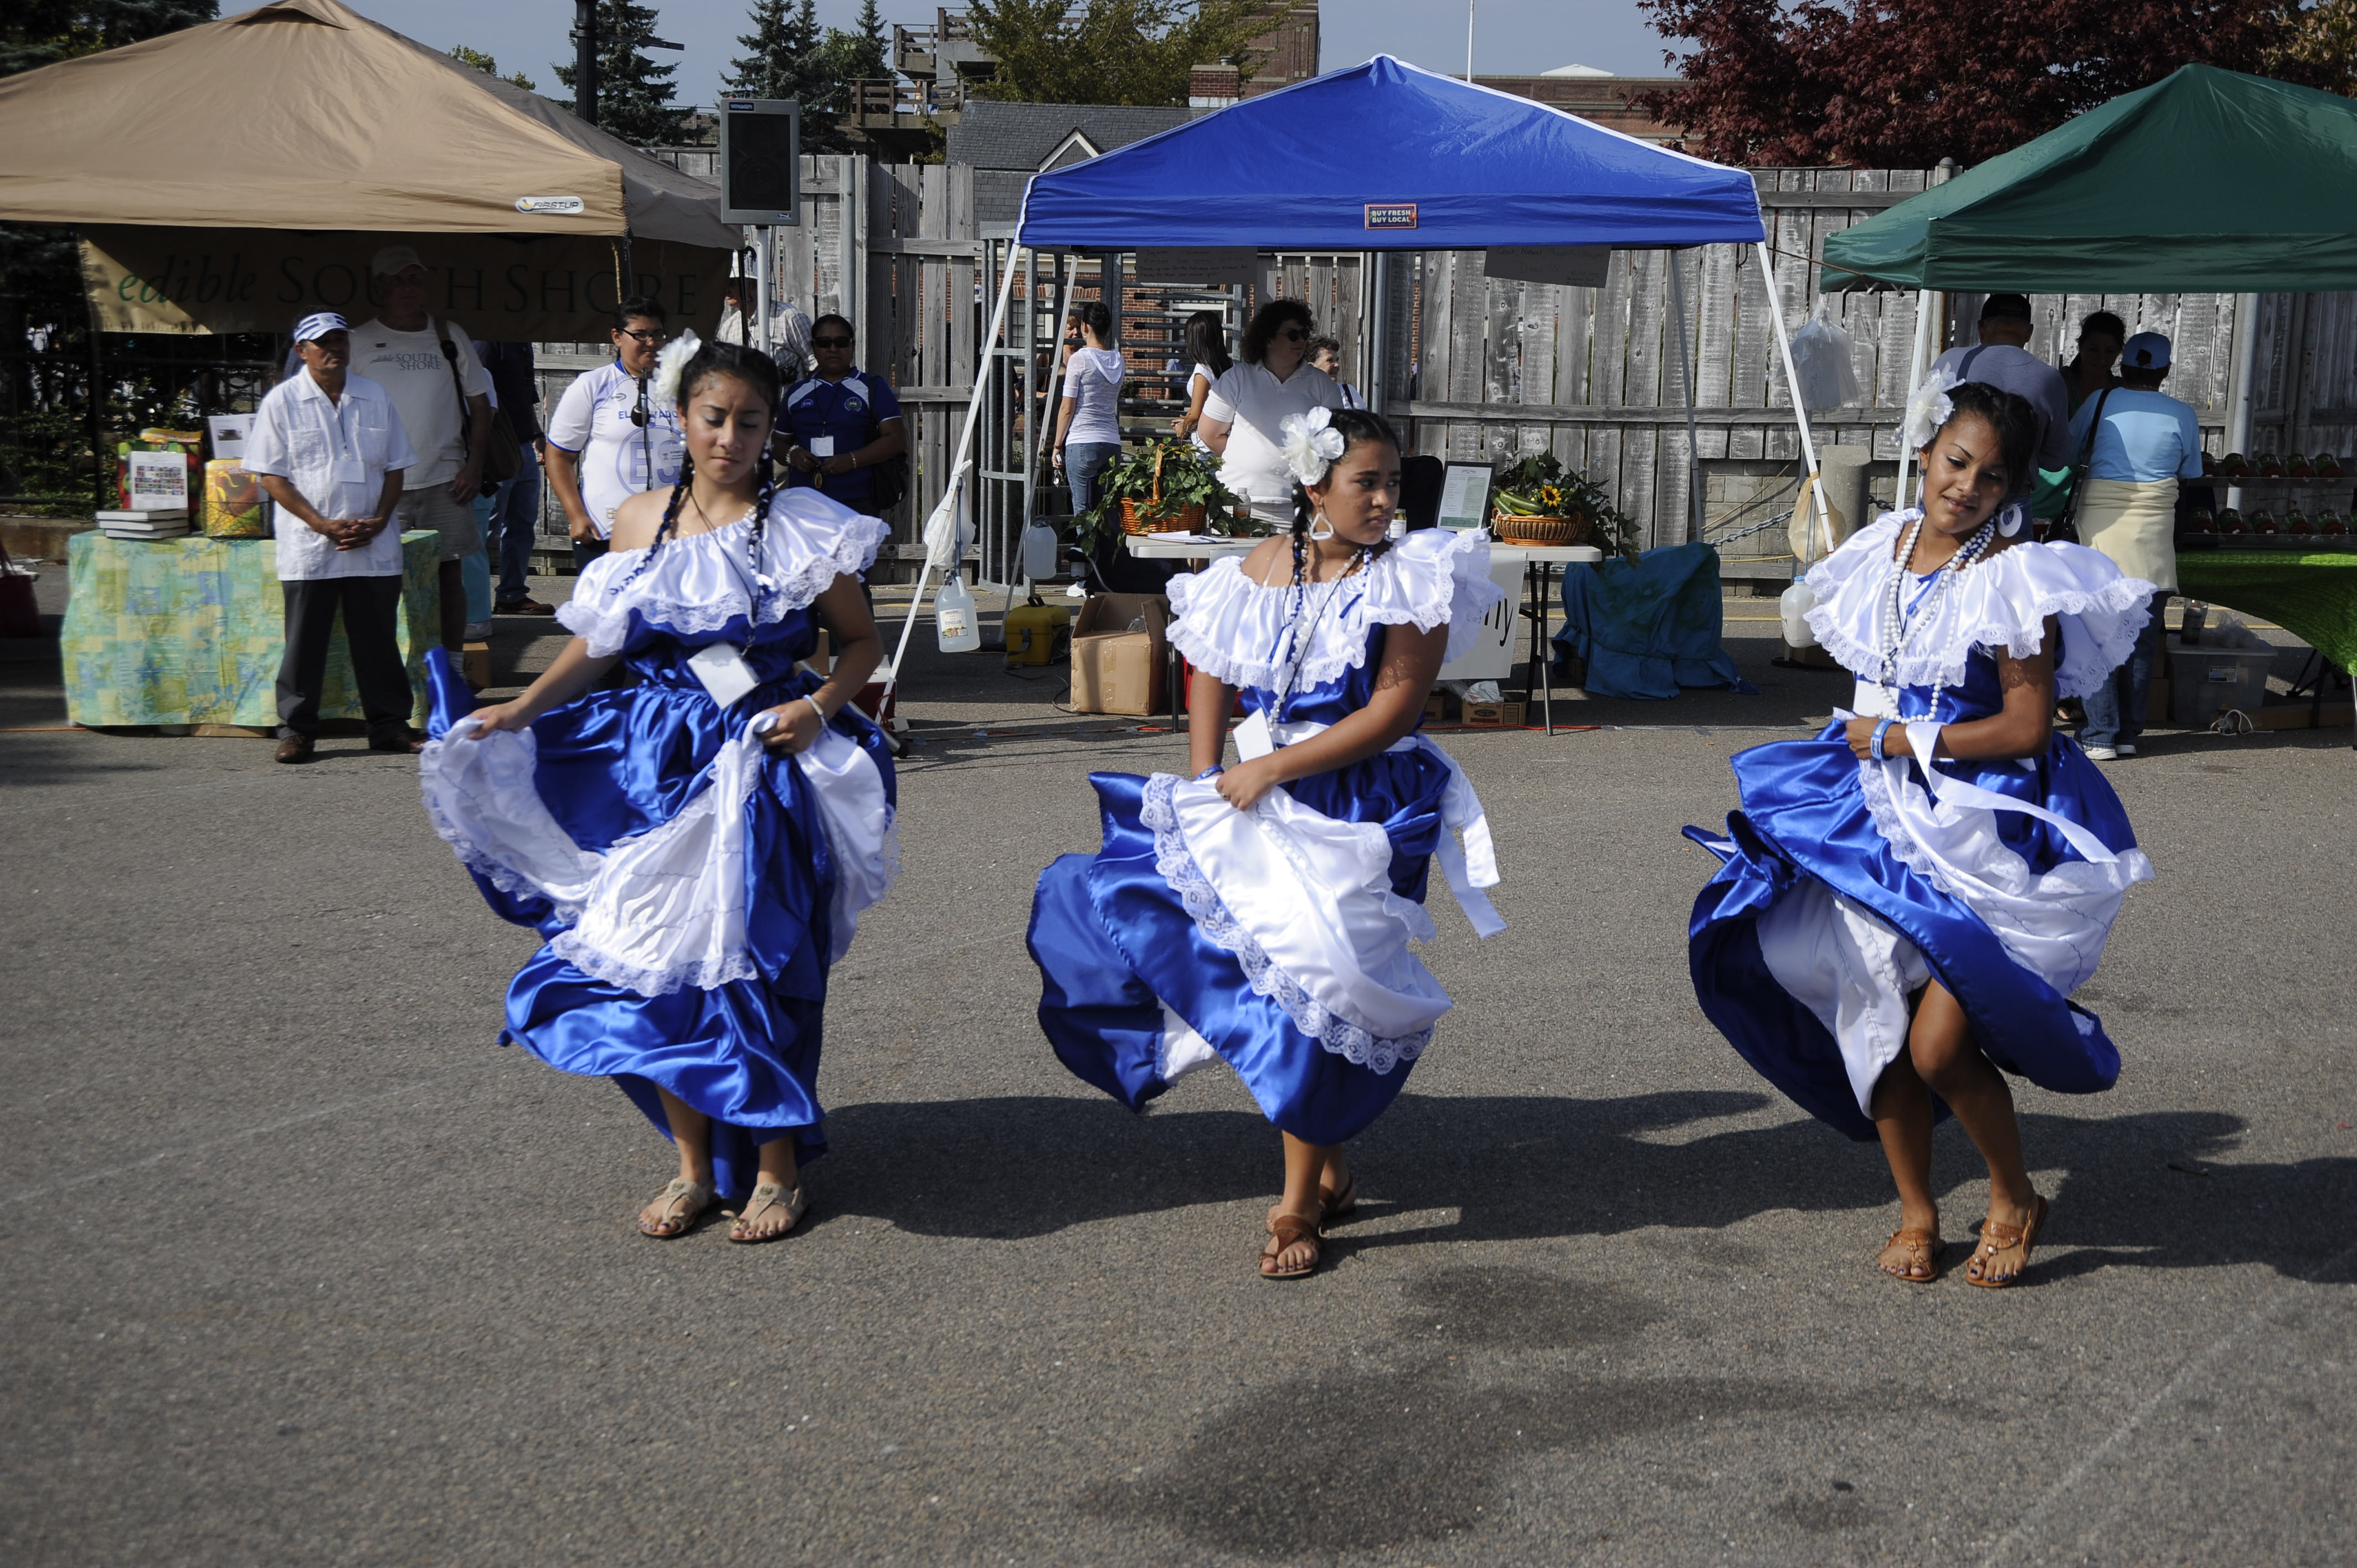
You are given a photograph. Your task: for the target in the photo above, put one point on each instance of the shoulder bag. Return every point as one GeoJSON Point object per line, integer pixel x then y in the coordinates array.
{"type": "Point", "coordinates": [2064, 528]}
{"type": "Point", "coordinates": [502, 453]}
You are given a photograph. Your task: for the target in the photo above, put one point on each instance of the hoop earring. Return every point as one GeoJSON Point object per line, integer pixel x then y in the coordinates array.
{"type": "Point", "coordinates": [1319, 522]}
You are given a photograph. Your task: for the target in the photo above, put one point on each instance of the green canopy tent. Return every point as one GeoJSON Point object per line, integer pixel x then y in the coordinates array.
{"type": "Point", "coordinates": [2207, 181]}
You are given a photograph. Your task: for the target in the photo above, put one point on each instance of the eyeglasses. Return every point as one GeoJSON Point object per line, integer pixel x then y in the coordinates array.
{"type": "Point", "coordinates": [649, 337]}
{"type": "Point", "coordinates": [830, 342]}
{"type": "Point", "coordinates": [1293, 334]}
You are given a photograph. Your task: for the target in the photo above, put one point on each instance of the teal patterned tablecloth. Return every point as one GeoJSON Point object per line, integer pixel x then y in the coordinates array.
{"type": "Point", "coordinates": [190, 631]}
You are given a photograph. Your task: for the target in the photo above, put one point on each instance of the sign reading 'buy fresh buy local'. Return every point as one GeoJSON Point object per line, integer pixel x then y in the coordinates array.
{"type": "Point", "coordinates": [501, 288]}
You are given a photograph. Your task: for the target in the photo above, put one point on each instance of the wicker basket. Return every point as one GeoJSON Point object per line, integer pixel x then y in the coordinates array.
{"type": "Point", "coordinates": [1136, 518]}
{"type": "Point", "coordinates": [1578, 529]}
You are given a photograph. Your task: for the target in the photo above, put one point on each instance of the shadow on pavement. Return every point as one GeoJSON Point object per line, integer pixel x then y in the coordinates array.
{"type": "Point", "coordinates": [1524, 1168]}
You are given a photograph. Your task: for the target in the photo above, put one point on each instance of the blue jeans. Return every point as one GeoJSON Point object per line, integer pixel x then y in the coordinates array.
{"type": "Point", "coordinates": [515, 517]}
{"type": "Point", "coordinates": [1083, 461]}
{"type": "Point", "coordinates": [2115, 708]}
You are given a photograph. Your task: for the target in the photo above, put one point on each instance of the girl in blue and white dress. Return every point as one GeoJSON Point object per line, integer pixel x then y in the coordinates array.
{"type": "Point", "coordinates": [1261, 914]}
{"type": "Point", "coordinates": [1909, 900]}
{"type": "Point", "coordinates": [697, 847]}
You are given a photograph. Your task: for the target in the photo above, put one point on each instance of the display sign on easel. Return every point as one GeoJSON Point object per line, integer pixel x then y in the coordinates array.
{"type": "Point", "coordinates": [1465, 495]}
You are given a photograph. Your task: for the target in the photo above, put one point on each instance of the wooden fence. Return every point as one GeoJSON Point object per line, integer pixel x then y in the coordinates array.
{"type": "Point", "coordinates": [1482, 367]}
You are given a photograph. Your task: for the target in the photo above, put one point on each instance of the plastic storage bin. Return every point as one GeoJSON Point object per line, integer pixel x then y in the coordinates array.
{"type": "Point", "coordinates": [2205, 681]}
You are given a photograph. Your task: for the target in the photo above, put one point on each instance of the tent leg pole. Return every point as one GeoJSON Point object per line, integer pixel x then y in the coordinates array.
{"type": "Point", "coordinates": [2238, 386]}
{"type": "Point", "coordinates": [957, 477]}
{"type": "Point", "coordinates": [1916, 370]}
{"type": "Point", "coordinates": [1017, 564]}
{"type": "Point", "coordinates": [1792, 384]}
{"type": "Point", "coordinates": [1685, 379]}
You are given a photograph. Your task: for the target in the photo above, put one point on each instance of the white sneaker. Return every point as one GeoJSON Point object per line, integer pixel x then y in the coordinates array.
{"type": "Point", "coordinates": [2126, 748]}
{"type": "Point", "coordinates": [2101, 753]}
{"type": "Point", "coordinates": [478, 631]}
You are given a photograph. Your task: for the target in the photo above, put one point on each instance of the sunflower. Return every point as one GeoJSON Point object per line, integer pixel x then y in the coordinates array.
{"type": "Point", "coordinates": [1551, 494]}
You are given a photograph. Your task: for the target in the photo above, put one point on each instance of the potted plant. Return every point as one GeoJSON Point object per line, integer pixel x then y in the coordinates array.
{"type": "Point", "coordinates": [1163, 486]}
{"type": "Point", "coordinates": [1536, 500]}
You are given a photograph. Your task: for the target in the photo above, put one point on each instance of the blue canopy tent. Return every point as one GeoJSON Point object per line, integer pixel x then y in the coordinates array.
{"type": "Point", "coordinates": [1382, 157]}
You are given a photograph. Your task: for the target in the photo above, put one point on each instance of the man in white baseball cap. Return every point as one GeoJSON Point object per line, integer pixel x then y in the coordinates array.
{"type": "Point", "coordinates": [427, 365]}
{"type": "Point", "coordinates": [329, 449]}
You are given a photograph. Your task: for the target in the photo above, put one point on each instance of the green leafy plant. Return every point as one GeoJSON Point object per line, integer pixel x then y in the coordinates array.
{"type": "Point", "coordinates": [1190, 477]}
{"type": "Point", "coordinates": [1540, 486]}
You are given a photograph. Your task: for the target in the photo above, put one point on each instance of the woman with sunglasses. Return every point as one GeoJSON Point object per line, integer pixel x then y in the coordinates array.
{"type": "Point", "coordinates": [839, 424]}
{"type": "Point", "coordinates": [1244, 414]}
{"type": "Point", "coordinates": [608, 440]}
{"type": "Point", "coordinates": [1259, 914]}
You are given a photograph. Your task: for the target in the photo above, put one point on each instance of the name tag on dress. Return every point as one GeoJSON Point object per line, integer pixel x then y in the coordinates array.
{"type": "Point", "coordinates": [1870, 703]}
{"type": "Point", "coordinates": [1253, 739]}
{"type": "Point", "coordinates": [724, 672]}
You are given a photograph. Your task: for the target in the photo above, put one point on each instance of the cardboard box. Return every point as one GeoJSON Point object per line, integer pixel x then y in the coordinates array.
{"type": "Point", "coordinates": [1435, 708]}
{"type": "Point", "coordinates": [1493, 715]}
{"type": "Point", "coordinates": [1114, 668]}
{"type": "Point", "coordinates": [475, 659]}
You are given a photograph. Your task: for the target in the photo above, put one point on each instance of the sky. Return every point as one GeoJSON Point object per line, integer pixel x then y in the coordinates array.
{"type": "Point", "coordinates": [1509, 36]}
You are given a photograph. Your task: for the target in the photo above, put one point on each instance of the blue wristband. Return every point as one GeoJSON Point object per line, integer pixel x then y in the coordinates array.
{"type": "Point", "coordinates": [1879, 731]}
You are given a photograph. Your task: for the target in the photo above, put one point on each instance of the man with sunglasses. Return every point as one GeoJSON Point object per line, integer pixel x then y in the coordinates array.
{"type": "Point", "coordinates": [840, 423]}
{"type": "Point", "coordinates": [609, 439]}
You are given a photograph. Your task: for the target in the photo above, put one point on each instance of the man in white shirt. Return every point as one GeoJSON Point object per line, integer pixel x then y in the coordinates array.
{"type": "Point", "coordinates": [609, 439]}
{"type": "Point", "coordinates": [789, 328]}
{"type": "Point", "coordinates": [447, 412]}
{"type": "Point", "coordinates": [329, 449]}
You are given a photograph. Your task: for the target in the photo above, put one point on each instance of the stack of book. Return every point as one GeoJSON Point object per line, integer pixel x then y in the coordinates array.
{"type": "Point", "coordinates": [163, 522]}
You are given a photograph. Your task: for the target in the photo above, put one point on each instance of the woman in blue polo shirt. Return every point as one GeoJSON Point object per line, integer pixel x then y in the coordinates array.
{"type": "Point", "coordinates": [841, 423]}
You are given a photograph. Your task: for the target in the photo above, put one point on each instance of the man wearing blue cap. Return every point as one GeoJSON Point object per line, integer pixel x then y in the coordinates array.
{"type": "Point", "coordinates": [2138, 442]}
{"type": "Point", "coordinates": [329, 449]}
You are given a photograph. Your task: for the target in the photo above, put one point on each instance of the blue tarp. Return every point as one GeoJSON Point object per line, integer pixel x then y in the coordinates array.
{"type": "Point", "coordinates": [1650, 625]}
{"type": "Point", "coordinates": [1388, 157]}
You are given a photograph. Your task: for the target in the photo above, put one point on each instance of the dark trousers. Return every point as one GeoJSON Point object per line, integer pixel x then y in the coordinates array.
{"type": "Point", "coordinates": [515, 513]}
{"type": "Point", "coordinates": [372, 608]}
{"type": "Point", "coordinates": [2115, 708]}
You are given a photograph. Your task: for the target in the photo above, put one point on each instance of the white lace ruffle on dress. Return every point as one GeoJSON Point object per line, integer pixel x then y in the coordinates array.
{"type": "Point", "coordinates": [1305, 902]}
{"type": "Point", "coordinates": [1241, 632]}
{"type": "Point", "coordinates": [2000, 603]}
{"type": "Point", "coordinates": [700, 583]}
{"type": "Point", "coordinates": [666, 908]}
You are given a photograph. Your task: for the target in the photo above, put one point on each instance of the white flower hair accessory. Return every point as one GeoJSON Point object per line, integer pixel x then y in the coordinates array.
{"type": "Point", "coordinates": [669, 365]}
{"type": "Point", "coordinates": [1928, 409]}
{"type": "Point", "coordinates": [1312, 444]}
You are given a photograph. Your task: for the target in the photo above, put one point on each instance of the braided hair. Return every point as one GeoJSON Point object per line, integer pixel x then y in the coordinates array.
{"type": "Point", "coordinates": [1358, 426]}
{"type": "Point", "coordinates": [756, 370]}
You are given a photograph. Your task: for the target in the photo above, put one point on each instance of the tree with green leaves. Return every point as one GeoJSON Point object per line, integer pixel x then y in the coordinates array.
{"type": "Point", "coordinates": [490, 66]}
{"type": "Point", "coordinates": [634, 94]}
{"type": "Point", "coordinates": [786, 56]}
{"type": "Point", "coordinates": [1110, 51]}
{"type": "Point", "coordinates": [34, 33]}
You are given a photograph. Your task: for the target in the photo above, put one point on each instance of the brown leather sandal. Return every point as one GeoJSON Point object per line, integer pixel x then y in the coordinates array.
{"type": "Point", "coordinates": [1998, 1238]}
{"type": "Point", "coordinates": [1285, 1230]}
{"type": "Point", "coordinates": [683, 1203]}
{"type": "Point", "coordinates": [1922, 1251]}
{"type": "Point", "coordinates": [1339, 1204]}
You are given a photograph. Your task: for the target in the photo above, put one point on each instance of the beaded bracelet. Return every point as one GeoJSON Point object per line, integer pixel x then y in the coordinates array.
{"type": "Point", "coordinates": [1875, 747]}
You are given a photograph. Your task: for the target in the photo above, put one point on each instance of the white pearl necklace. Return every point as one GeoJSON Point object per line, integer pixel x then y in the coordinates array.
{"type": "Point", "coordinates": [1897, 625]}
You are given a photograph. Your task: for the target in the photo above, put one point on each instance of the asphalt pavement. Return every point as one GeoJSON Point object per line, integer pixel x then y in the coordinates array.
{"type": "Point", "coordinates": [300, 1267]}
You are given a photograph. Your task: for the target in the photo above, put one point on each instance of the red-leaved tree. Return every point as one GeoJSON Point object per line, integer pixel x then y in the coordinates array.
{"type": "Point", "coordinates": [1902, 84]}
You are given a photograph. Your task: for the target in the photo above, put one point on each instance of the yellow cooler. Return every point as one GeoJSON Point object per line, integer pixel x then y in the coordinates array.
{"type": "Point", "coordinates": [1031, 631]}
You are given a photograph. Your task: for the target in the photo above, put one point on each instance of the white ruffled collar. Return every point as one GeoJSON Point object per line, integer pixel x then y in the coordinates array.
{"type": "Point", "coordinates": [1240, 631]}
{"type": "Point", "coordinates": [1999, 603]}
{"type": "Point", "coordinates": [701, 583]}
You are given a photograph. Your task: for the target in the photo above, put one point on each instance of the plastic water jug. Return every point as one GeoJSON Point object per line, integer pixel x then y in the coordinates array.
{"type": "Point", "coordinates": [1793, 606]}
{"type": "Point", "coordinates": [955, 623]}
{"type": "Point", "coordinates": [1039, 552]}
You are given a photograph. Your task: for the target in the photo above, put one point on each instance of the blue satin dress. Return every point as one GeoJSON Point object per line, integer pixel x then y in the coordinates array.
{"type": "Point", "coordinates": [1117, 943]}
{"type": "Point", "coordinates": [1113, 942]}
{"type": "Point", "coordinates": [2008, 927]}
{"type": "Point", "coordinates": [618, 762]}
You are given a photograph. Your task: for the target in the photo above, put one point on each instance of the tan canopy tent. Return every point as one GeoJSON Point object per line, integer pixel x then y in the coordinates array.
{"type": "Point", "coordinates": [232, 177]}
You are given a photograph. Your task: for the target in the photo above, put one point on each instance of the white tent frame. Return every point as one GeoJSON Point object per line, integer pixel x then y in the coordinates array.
{"type": "Point", "coordinates": [944, 535]}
